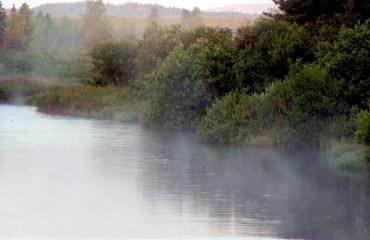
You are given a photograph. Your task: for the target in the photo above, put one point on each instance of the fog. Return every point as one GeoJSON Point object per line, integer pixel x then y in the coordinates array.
{"type": "Point", "coordinates": [100, 179]}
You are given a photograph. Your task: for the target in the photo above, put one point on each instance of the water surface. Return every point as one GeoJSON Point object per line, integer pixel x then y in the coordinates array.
{"type": "Point", "coordinates": [66, 178]}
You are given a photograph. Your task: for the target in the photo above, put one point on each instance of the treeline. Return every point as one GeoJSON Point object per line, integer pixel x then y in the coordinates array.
{"type": "Point", "coordinates": [299, 77]}
{"type": "Point", "coordinates": [287, 79]}
{"type": "Point", "coordinates": [42, 45]}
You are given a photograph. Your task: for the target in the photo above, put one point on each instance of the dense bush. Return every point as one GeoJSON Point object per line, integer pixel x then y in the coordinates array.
{"type": "Point", "coordinates": [294, 111]}
{"type": "Point", "coordinates": [15, 62]}
{"type": "Point", "coordinates": [267, 49]}
{"type": "Point", "coordinates": [186, 83]}
{"type": "Point", "coordinates": [348, 62]}
{"type": "Point", "coordinates": [363, 127]}
{"type": "Point", "coordinates": [155, 45]}
{"type": "Point", "coordinates": [113, 62]}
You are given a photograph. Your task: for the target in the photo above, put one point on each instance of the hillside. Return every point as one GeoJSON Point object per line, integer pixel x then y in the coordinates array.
{"type": "Point", "coordinates": [130, 10]}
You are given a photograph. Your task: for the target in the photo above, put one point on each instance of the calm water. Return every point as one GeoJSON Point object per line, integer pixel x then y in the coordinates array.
{"type": "Point", "coordinates": [70, 178]}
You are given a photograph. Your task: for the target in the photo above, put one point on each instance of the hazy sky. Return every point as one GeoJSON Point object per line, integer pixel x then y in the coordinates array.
{"type": "Point", "coordinates": [203, 4]}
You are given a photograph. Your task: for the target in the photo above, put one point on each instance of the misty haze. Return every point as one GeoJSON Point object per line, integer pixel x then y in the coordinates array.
{"type": "Point", "coordinates": [163, 120]}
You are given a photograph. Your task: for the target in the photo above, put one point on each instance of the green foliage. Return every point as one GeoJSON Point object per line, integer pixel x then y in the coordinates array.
{"type": "Point", "coordinates": [267, 50]}
{"type": "Point", "coordinates": [363, 127]}
{"type": "Point", "coordinates": [348, 156]}
{"type": "Point", "coordinates": [185, 84]}
{"type": "Point", "coordinates": [311, 11]}
{"type": "Point", "coordinates": [348, 62]}
{"type": "Point", "coordinates": [16, 62]}
{"type": "Point", "coordinates": [25, 19]}
{"type": "Point", "coordinates": [113, 62]}
{"type": "Point", "coordinates": [155, 45]}
{"type": "Point", "coordinates": [294, 111]}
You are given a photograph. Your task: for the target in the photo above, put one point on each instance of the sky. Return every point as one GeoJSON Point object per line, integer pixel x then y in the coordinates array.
{"type": "Point", "coordinates": [203, 4]}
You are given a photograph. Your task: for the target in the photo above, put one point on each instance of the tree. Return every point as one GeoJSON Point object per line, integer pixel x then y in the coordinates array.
{"type": "Point", "coordinates": [348, 62]}
{"type": "Point", "coordinates": [13, 35]}
{"type": "Point", "coordinates": [186, 83]}
{"type": "Point", "coordinates": [191, 19]}
{"type": "Point", "coordinates": [267, 50]}
{"type": "Point", "coordinates": [153, 18]}
{"type": "Point", "coordinates": [311, 11]}
{"type": "Point", "coordinates": [25, 22]}
{"type": "Point", "coordinates": [155, 45]}
{"type": "Point", "coordinates": [95, 24]}
{"type": "Point", "coordinates": [113, 62]}
{"type": "Point", "coordinates": [2, 25]}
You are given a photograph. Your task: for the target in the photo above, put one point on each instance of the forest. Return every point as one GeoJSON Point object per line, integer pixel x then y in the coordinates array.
{"type": "Point", "coordinates": [297, 77]}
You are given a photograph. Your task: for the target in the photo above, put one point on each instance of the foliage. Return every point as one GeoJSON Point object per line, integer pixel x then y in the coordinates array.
{"type": "Point", "coordinates": [155, 45]}
{"type": "Point", "coordinates": [111, 103]}
{"type": "Point", "coordinates": [348, 62]}
{"type": "Point", "coordinates": [13, 35]}
{"type": "Point", "coordinates": [349, 156]}
{"type": "Point", "coordinates": [16, 87]}
{"type": "Point", "coordinates": [294, 111]}
{"type": "Point", "coordinates": [349, 11]}
{"type": "Point", "coordinates": [363, 127]}
{"type": "Point", "coordinates": [113, 62]}
{"type": "Point", "coordinates": [267, 50]}
{"type": "Point", "coordinates": [185, 84]}
{"type": "Point", "coordinates": [25, 21]}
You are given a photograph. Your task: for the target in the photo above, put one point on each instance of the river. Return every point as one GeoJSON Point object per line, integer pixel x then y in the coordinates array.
{"type": "Point", "coordinates": [73, 178]}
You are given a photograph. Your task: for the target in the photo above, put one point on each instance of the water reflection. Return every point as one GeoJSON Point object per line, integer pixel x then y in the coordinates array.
{"type": "Point", "coordinates": [67, 178]}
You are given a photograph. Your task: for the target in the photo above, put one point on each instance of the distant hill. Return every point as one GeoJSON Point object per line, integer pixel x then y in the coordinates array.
{"type": "Point", "coordinates": [246, 9]}
{"type": "Point", "coordinates": [130, 10]}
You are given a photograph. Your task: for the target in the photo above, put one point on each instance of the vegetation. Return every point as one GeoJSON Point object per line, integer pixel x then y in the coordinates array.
{"type": "Point", "coordinates": [297, 78]}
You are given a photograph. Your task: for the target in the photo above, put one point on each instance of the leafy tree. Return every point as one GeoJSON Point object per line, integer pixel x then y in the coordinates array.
{"type": "Point", "coordinates": [2, 25]}
{"type": "Point", "coordinates": [113, 62]}
{"type": "Point", "coordinates": [186, 83]}
{"type": "Point", "coordinates": [363, 127]}
{"type": "Point", "coordinates": [95, 24]}
{"type": "Point", "coordinates": [191, 19]}
{"type": "Point", "coordinates": [310, 11]}
{"type": "Point", "coordinates": [157, 42]}
{"type": "Point", "coordinates": [348, 62]}
{"type": "Point", "coordinates": [267, 50]}
{"type": "Point", "coordinates": [42, 33]}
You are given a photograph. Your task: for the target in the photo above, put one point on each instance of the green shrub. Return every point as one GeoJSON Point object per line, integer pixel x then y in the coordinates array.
{"type": "Point", "coordinates": [266, 51]}
{"type": "Point", "coordinates": [186, 83]}
{"type": "Point", "coordinates": [348, 63]}
{"type": "Point", "coordinates": [113, 62]}
{"type": "Point", "coordinates": [363, 127]}
{"type": "Point", "coordinates": [348, 156]}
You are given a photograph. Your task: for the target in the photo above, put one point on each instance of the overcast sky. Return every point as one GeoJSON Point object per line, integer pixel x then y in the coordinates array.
{"type": "Point", "coordinates": [203, 4]}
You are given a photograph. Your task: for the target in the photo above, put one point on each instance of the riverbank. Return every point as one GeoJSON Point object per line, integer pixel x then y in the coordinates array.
{"type": "Point", "coordinates": [120, 104]}
{"type": "Point", "coordinates": [124, 104]}
{"type": "Point", "coordinates": [108, 103]}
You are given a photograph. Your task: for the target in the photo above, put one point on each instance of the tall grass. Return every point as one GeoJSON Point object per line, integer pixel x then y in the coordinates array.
{"type": "Point", "coordinates": [14, 89]}
{"type": "Point", "coordinates": [110, 103]}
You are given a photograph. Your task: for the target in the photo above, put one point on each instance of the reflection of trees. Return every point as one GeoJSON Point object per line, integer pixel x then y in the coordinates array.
{"type": "Point", "coordinates": [251, 191]}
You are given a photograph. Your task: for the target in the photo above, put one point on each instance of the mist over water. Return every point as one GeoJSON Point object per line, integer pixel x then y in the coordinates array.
{"type": "Point", "coordinates": [71, 178]}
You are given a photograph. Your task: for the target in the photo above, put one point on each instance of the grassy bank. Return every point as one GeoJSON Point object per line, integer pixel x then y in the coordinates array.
{"type": "Point", "coordinates": [15, 89]}
{"type": "Point", "coordinates": [110, 103]}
